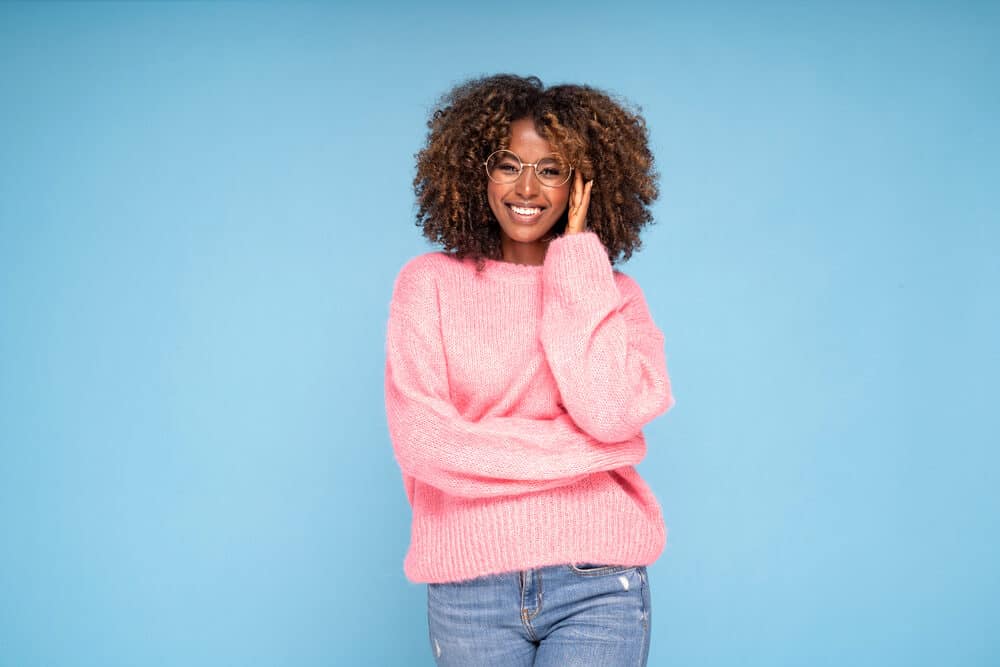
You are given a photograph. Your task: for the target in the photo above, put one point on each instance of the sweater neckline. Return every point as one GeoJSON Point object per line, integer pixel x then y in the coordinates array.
{"type": "Point", "coordinates": [510, 271]}
{"type": "Point", "coordinates": [513, 270]}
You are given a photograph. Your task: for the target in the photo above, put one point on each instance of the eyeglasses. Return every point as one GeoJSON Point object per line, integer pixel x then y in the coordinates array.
{"type": "Point", "coordinates": [505, 167]}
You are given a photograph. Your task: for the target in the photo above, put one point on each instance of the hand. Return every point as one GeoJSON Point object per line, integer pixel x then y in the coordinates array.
{"type": "Point", "coordinates": [579, 201]}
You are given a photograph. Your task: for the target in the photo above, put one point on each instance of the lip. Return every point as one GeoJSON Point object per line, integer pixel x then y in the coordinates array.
{"type": "Point", "coordinates": [525, 219]}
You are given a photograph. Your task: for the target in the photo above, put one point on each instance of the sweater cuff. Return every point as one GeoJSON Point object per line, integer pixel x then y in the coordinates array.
{"type": "Point", "coordinates": [577, 268]}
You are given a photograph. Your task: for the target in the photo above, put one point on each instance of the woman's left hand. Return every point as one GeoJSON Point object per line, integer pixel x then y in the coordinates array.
{"type": "Point", "coordinates": [579, 201]}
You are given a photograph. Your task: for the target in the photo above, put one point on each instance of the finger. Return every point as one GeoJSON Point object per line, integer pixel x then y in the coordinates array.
{"type": "Point", "coordinates": [583, 202]}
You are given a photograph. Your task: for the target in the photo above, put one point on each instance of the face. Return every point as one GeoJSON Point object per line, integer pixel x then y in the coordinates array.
{"type": "Point", "coordinates": [526, 209]}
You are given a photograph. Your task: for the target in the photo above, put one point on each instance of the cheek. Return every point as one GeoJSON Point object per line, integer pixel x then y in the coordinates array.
{"type": "Point", "coordinates": [560, 202]}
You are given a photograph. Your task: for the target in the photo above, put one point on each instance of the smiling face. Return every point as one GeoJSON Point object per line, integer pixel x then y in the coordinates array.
{"type": "Point", "coordinates": [526, 209]}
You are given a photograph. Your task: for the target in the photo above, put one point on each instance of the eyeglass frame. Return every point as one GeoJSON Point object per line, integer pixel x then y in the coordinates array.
{"type": "Point", "coordinates": [533, 165]}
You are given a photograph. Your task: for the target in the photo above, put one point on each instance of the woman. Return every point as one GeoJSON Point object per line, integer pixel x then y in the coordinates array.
{"type": "Point", "coordinates": [521, 368]}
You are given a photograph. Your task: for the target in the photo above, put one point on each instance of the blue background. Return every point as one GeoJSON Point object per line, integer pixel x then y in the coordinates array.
{"type": "Point", "coordinates": [202, 211]}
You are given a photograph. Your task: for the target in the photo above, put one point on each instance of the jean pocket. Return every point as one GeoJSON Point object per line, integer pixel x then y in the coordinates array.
{"type": "Point", "coordinates": [597, 569]}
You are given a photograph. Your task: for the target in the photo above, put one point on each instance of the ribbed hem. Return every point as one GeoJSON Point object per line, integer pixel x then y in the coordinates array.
{"type": "Point", "coordinates": [607, 518]}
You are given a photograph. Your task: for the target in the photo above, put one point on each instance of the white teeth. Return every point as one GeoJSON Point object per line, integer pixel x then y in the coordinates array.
{"type": "Point", "coordinates": [525, 211]}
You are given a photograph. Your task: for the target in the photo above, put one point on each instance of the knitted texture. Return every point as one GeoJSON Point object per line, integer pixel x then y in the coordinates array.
{"type": "Point", "coordinates": [515, 400]}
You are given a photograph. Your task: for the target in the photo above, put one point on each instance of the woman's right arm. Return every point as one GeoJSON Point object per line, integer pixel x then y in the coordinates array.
{"type": "Point", "coordinates": [493, 456]}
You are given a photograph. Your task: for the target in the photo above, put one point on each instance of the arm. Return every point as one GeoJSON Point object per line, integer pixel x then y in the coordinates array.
{"type": "Point", "coordinates": [601, 343]}
{"type": "Point", "coordinates": [490, 457]}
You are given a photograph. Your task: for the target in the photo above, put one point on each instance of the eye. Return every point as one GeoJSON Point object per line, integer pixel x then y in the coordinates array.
{"type": "Point", "coordinates": [503, 166]}
{"type": "Point", "coordinates": [553, 171]}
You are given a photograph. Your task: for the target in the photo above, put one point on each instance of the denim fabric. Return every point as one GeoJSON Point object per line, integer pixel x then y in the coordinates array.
{"type": "Point", "coordinates": [582, 614]}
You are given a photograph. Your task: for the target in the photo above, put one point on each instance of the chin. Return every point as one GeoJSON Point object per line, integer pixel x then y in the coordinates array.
{"type": "Point", "coordinates": [531, 235]}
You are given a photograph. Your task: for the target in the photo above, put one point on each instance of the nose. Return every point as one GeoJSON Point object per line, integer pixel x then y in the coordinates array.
{"type": "Point", "coordinates": [527, 182]}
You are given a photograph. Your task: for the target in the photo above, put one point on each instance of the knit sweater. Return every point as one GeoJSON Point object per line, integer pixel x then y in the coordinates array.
{"type": "Point", "coordinates": [515, 400]}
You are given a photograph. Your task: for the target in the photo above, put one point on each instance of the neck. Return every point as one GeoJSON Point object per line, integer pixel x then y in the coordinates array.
{"type": "Point", "coordinates": [524, 253]}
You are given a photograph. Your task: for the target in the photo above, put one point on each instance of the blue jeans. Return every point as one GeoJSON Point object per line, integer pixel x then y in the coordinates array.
{"type": "Point", "coordinates": [582, 614]}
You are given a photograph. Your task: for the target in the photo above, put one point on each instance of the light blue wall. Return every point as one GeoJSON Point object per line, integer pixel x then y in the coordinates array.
{"type": "Point", "coordinates": [203, 208]}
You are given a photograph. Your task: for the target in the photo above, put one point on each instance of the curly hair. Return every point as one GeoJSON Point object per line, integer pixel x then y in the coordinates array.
{"type": "Point", "coordinates": [601, 137]}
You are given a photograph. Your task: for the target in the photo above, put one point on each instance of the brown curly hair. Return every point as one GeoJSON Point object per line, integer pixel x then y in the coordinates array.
{"type": "Point", "coordinates": [602, 138]}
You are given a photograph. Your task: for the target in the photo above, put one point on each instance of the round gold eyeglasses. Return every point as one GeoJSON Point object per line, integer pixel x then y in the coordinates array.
{"type": "Point", "coordinates": [505, 166]}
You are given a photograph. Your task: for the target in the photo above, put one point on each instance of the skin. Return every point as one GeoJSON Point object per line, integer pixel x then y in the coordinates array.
{"type": "Point", "coordinates": [525, 239]}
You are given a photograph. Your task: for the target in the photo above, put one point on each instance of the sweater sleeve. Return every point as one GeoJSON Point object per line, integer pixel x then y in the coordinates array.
{"type": "Point", "coordinates": [604, 350]}
{"type": "Point", "coordinates": [492, 456]}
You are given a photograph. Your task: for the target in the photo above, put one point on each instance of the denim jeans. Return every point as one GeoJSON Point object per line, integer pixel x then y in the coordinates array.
{"type": "Point", "coordinates": [582, 614]}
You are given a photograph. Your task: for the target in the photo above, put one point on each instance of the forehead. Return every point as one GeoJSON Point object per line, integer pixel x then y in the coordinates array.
{"type": "Point", "coordinates": [527, 142]}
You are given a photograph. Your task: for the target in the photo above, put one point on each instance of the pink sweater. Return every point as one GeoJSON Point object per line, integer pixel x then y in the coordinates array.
{"type": "Point", "coordinates": [515, 400]}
